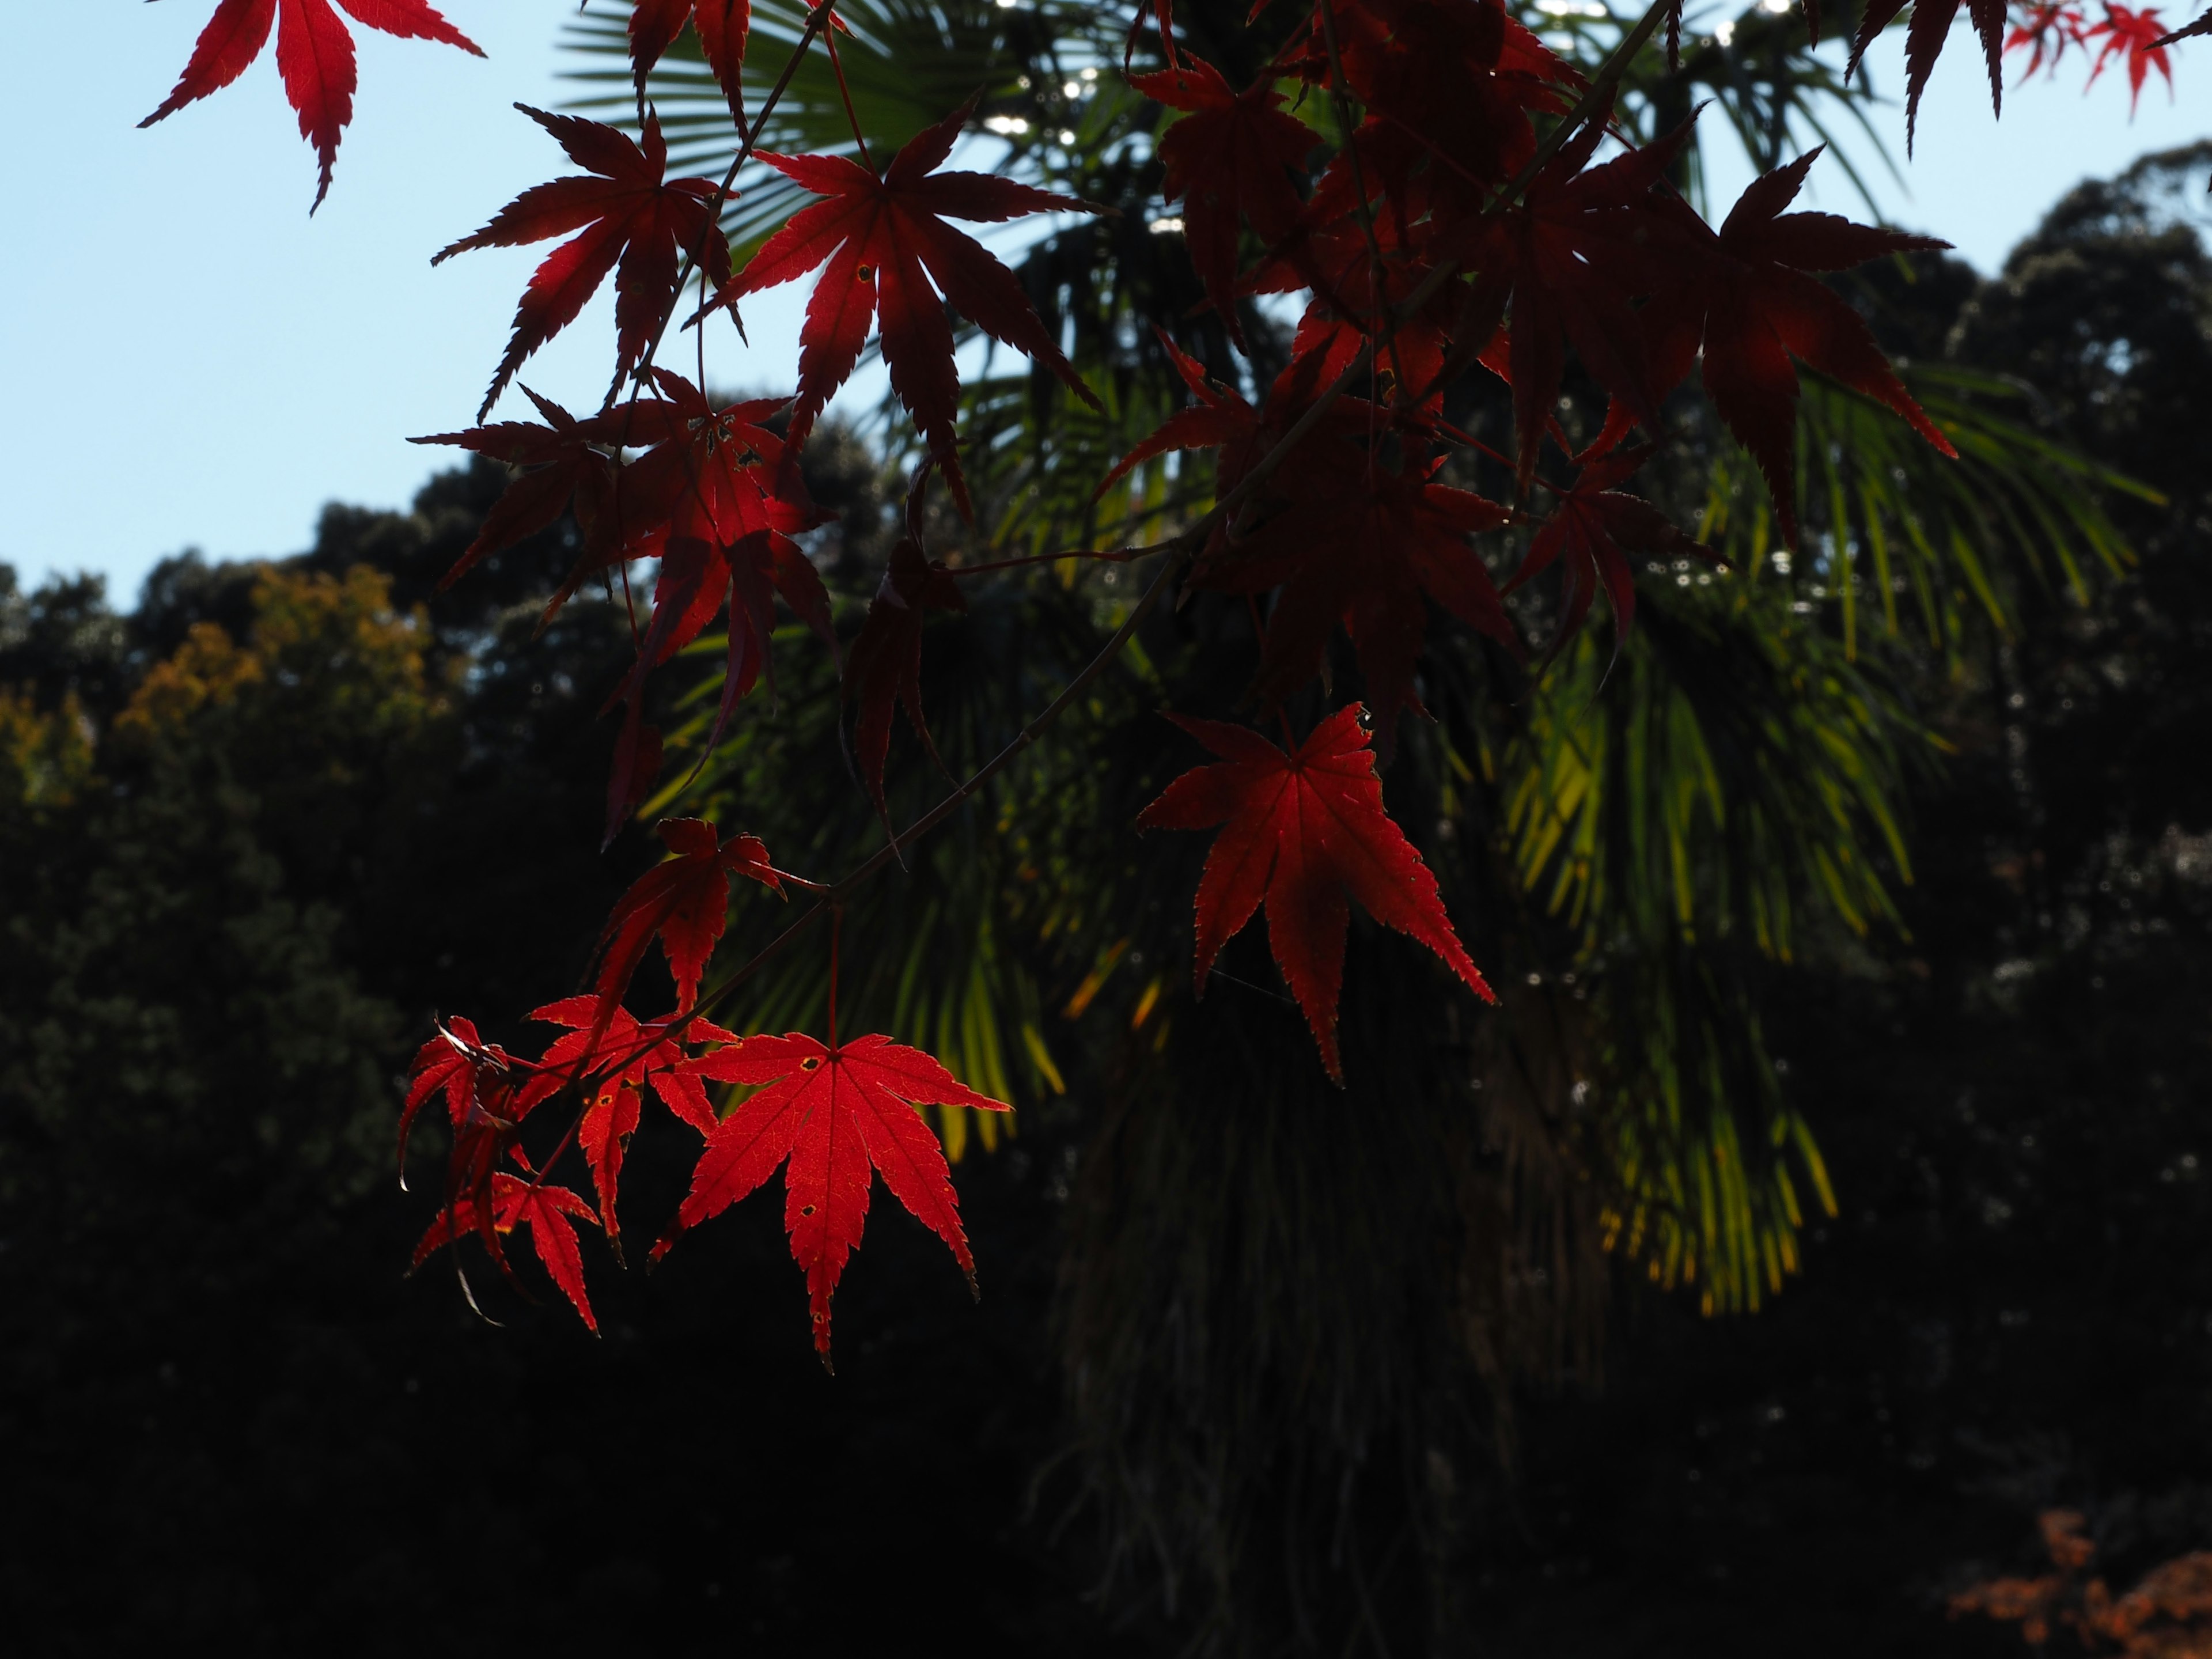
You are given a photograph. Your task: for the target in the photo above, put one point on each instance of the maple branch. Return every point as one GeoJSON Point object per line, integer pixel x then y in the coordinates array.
{"type": "Point", "coordinates": [1182, 549]}
{"type": "Point", "coordinates": [1117, 555]}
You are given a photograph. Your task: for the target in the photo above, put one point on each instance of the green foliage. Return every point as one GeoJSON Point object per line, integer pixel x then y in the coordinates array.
{"type": "Point", "coordinates": [1888, 519]}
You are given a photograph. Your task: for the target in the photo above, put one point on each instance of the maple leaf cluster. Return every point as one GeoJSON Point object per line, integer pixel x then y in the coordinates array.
{"type": "Point", "coordinates": [2047, 29]}
{"type": "Point", "coordinates": [828, 1114]}
{"type": "Point", "coordinates": [1483, 212]}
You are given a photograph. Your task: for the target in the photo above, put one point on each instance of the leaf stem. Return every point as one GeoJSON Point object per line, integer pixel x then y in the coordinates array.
{"type": "Point", "coordinates": [815, 21]}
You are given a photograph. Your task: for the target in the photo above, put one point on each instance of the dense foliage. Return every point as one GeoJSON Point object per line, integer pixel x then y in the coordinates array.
{"type": "Point", "coordinates": [213, 1370]}
{"type": "Point", "coordinates": [1302, 1310]}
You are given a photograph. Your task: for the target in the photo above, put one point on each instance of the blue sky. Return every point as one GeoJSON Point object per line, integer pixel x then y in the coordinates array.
{"type": "Point", "coordinates": [192, 362]}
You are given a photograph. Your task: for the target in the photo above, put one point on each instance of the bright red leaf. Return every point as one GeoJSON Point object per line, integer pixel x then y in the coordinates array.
{"type": "Point", "coordinates": [1301, 831]}
{"type": "Point", "coordinates": [835, 1112]}
{"type": "Point", "coordinates": [604, 1137]}
{"type": "Point", "coordinates": [2142, 40]}
{"type": "Point", "coordinates": [476, 1080]}
{"type": "Point", "coordinates": [625, 1050]}
{"type": "Point", "coordinates": [2045, 31]}
{"type": "Point", "coordinates": [314, 55]}
{"type": "Point", "coordinates": [542, 1211]}
{"type": "Point", "coordinates": [875, 239]}
{"type": "Point", "coordinates": [628, 219]}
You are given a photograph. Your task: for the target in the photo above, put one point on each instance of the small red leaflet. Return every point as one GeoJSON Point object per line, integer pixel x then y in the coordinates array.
{"type": "Point", "coordinates": [1300, 831]}
{"type": "Point", "coordinates": [1591, 533]}
{"type": "Point", "coordinates": [314, 55]}
{"type": "Point", "coordinates": [448, 1064]}
{"type": "Point", "coordinates": [624, 1050]}
{"type": "Point", "coordinates": [544, 1211]}
{"type": "Point", "coordinates": [684, 903]}
{"type": "Point", "coordinates": [565, 470]}
{"type": "Point", "coordinates": [835, 1112]}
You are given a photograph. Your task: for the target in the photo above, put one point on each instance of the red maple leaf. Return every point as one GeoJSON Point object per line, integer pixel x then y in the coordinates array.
{"type": "Point", "coordinates": [732, 505]}
{"type": "Point", "coordinates": [1360, 544]}
{"type": "Point", "coordinates": [684, 903]}
{"type": "Point", "coordinates": [614, 1057]}
{"type": "Point", "coordinates": [1232, 156]}
{"type": "Point", "coordinates": [625, 1050]}
{"type": "Point", "coordinates": [1923, 44]}
{"type": "Point", "coordinates": [1354, 295]}
{"type": "Point", "coordinates": [604, 1137]}
{"type": "Point", "coordinates": [876, 238]}
{"type": "Point", "coordinates": [1301, 830]}
{"type": "Point", "coordinates": [740, 494]}
{"type": "Point", "coordinates": [1219, 419]}
{"type": "Point", "coordinates": [1222, 420]}
{"type": "Point", "coordinates": [452, 1063]}
{"type": "Point", "coordinates": [722, 26]}
{"type": "Point", "coordinates": [1748, 298]}
{"type": "Point", "coordinates": [834, 1111]}
{"type": "Point", "coordinates": [543, 1209]}
{"type": "Point", "coordinates": [886, 665]}
{"type": "Point", "coordinates": [2045, 31]}
{"type": "Point", "coordinates": [1590, 535]}
{"type": "Point", "coordinates": [1573, 256]}
{"type": "Point", "coordinates": [476, 1078]}
{"type": "Point", "coordinates": [625, 215]}
{"type": "Point", "coordinates": [2142, 37]}
{"type": "Point", "coordinates": [561, 468]}
{"type": "Point", "coordinates": [314, 55]}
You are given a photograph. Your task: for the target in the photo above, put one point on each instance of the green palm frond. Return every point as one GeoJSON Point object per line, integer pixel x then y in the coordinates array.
{"type": "Point", "coordinates": [1695, 804]}
{"type": "Point", "coordinates": [1699, 1142]}
{"type": "Point", "coordinates": [1893, 527]}
{"type": "Point", "coordinates": [1726, 766]}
